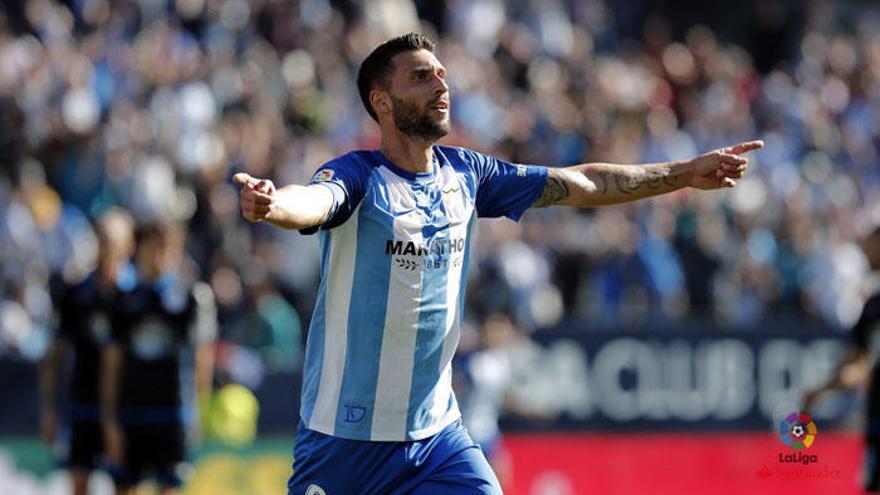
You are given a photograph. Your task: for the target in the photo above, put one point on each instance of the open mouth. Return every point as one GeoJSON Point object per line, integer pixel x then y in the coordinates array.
{"type": "Point", "coordinates": [440, 106]}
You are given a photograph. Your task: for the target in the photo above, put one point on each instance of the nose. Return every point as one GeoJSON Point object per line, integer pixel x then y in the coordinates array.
{"type": "Point", "coordinates": [440, 86]}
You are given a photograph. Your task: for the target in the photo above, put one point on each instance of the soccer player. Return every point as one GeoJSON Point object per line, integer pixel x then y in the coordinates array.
{"type": "Point", "coordinates": [84, 311]}
{"type": "Point", "coordinates": [378, 414]}
{"type": "Point", "coordinates": [861, 365]}
{"type": "Point", "coordinates": [162, 334]}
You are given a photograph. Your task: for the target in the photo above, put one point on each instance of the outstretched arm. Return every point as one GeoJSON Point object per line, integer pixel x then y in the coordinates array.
{"type": "Point", "coordinates": [597, 184]}
{"type": "Point", "coordinates": [852, 372]}
{"type": "Point", "coordinates": [291, 207]}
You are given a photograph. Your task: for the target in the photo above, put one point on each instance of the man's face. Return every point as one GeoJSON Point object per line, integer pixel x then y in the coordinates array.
{"type": "Point", "coordinates": [419, 96]}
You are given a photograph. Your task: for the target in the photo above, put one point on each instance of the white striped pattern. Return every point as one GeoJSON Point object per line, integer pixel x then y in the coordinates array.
{"type": "Point", "coordinates": [401, 322]}
{"type": "Point", "coordinates": [343, 247]}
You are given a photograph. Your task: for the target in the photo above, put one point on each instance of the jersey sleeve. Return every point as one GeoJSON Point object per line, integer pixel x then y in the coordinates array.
{"type": "Point", "coordinates": [503, 188]}
{"type": "Point", "coordinates": [346, 177]}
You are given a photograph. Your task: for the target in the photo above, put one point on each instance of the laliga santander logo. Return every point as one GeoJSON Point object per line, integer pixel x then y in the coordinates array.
{"type": "Point", "coordinates": [798, 431]}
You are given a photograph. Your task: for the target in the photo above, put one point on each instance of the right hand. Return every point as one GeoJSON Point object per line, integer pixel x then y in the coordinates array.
{"type": "Point", "coordinates": [114, 442]}
{"type": "Point", "coordinates": [257, 197]}
{"type": "Point", "coordinates": [720, 168]}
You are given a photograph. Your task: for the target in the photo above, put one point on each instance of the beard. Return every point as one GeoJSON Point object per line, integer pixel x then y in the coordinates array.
{"type": "Point", "coordinates": [416, 123]}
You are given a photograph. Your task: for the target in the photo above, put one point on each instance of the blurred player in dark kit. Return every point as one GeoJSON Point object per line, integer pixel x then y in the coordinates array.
{"type": "Point", "coordinates": [162, 335]}
{"type": "Point", "coordinates": [84, 328]}
{"type": "Point", "coordinates": [861, 365]}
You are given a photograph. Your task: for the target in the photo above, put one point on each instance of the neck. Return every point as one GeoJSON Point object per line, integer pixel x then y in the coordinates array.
{"type": "Point", "coordinates": [407, 153]}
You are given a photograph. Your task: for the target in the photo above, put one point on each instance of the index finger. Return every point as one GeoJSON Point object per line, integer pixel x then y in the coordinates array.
{"type": "Point", "coordinates": [745, 147]}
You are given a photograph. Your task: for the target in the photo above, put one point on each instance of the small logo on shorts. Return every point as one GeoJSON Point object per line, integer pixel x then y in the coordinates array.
{"type": "Point", "coordinates": [315, 490]}
{"type": "Point", "coordinates": [521, 170]}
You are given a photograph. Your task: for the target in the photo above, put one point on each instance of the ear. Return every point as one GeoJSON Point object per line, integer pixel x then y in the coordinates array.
{"type": "Point", "coordinates": [380, 101]}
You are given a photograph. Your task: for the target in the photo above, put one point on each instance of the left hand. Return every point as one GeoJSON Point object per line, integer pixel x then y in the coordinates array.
{"type": "Point", "coordinates": [721, 167]}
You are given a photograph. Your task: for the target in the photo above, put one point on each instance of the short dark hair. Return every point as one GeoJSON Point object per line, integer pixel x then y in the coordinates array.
{"type": "Point", "coordinates": [377, 66]}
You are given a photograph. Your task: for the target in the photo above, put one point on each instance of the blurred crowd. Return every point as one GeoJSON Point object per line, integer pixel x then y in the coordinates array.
{"type": "Point", "coordinates": [153, 105]}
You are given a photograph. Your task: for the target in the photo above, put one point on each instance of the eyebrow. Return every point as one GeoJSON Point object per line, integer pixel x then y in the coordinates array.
{"type": "Point", "coordinates": [426, 68]}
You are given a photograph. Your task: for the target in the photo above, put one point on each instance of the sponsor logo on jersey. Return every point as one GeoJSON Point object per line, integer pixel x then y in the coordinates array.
{"type": "Point", "coordinates": [438, 247]}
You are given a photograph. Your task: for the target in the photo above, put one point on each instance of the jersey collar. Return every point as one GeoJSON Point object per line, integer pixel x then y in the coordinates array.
{"type": "Point", "coordinates": [406, 174]}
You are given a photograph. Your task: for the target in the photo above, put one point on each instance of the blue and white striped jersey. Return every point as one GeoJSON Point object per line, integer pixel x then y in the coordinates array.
{"type": "Point", "coordinates": [393, 271]}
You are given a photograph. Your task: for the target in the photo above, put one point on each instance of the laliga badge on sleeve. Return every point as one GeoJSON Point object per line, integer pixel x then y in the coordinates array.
{"type": "Point", "coordinates": [315, 490]}
{"type": "Point", "coordinates": [323, 175]}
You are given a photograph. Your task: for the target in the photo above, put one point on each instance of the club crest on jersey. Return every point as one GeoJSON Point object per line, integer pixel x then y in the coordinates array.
{"type": "Point", "coordinates": [151, 340]}
{"type": "Point", "coordinates": [323, 175]}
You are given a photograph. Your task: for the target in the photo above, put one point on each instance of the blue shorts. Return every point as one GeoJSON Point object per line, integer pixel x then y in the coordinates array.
{"type": "Point", "coordinates": [448, 463]}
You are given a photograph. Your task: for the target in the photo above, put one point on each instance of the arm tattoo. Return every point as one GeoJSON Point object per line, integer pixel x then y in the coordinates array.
{"type": "Point", "coordinates": [606, 185]}
{"type": "Point", "coordinates": [626, 185]}
{"type": "Point", "coordinates": [555, 191]}
{"type": "Point", "coordinates": [603, 178]}
{"type": "Point", "coordinates": [630, 184]}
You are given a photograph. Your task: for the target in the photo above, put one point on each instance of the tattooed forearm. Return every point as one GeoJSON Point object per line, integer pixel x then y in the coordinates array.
{"type": "Point", "coordinates": [555, 191]}
{"type": "Point", "coordinates": [626, 183]}
{"type": "Point", "coordinates": [597, 184]}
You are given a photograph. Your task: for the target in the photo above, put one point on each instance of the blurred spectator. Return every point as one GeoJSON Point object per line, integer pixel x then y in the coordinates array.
{"type": "Point", "coordinates": [154, 105]}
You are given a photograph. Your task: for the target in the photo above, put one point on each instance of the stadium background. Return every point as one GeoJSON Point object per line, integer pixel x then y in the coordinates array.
{"type": "Point", "coordinates": [657, 344]}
